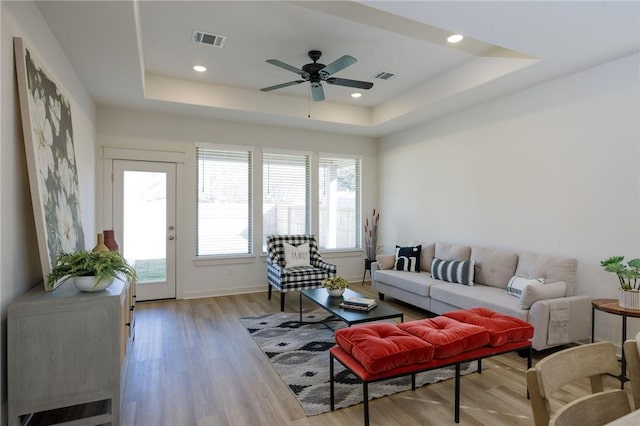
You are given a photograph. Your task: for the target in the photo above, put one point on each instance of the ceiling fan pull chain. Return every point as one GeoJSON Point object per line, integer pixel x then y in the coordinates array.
{"type": "Point", "coordinates": [309, 104]}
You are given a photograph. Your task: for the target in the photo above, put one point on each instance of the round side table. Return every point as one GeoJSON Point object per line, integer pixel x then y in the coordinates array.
{"type": "Point", "coordinates": [611, 306]}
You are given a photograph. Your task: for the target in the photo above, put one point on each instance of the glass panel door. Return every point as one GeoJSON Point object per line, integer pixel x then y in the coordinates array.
{"type": "Point", "coordinates": [144, 220]}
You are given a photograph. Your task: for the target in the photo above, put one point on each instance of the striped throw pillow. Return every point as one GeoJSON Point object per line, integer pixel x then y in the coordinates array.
{"type": "Point", "coordinates": [517, 284]}
{"type": "Point", "coordinates": [453, 271]}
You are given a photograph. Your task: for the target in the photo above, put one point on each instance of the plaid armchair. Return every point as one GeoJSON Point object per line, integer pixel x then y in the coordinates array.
{"type": "Point", "coordinates": [298, 277]}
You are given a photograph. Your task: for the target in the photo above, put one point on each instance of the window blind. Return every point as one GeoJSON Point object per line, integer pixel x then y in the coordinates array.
{"type": "Point", "coordinates": [286, 194]}
{"type": "Point", "coordinates": [339, 203]}
{"type": "Point", "coordinates": [224, 210]}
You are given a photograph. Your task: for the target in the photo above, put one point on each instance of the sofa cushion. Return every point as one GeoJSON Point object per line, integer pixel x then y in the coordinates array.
{"type": "Point", "coordinates": [538, 291]}
{"type": "Point", "coordinates": [551, 268]}
{"type": "Point", "coordinates": [464, 297]}
{"type": "Point", "coordinates": [448, 336]}
{"type": "Point", "coordinates": [459, 272]}
{"type": "Point", "coordinates": [408, 258]}
{"type": "Point", "coordinates": [382, 346]}
{"type": "Point", "coordinates": [411, 282]}
{"type": "Point", "coordinates": [493, 267]}
{"type": "Point", "coordinates": [517, 284]}
{"type": "Point", "coordinates": [502, 328]}
{"type": "Point", "coordinates": [447, 251]}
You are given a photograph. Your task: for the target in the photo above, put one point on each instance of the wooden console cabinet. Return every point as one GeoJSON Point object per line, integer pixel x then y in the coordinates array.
{"type": "Point", "coordinates": [66, 348]}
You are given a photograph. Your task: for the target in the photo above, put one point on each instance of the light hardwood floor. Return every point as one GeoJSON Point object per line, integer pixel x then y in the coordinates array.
{"type": "Point", "coordinates": [193, 363]}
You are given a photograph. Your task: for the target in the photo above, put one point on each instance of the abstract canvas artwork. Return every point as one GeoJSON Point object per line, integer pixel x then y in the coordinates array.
{"type": "Point", "coordinates": [51, 163]}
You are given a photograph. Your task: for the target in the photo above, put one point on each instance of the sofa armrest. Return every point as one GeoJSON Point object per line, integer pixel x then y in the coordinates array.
{"type": "Point", "coordinates": [273, 267]}
{"type": "Point", "coordinates": [579, 320]}
{"type": "Point", "coordinates": [329, 267]}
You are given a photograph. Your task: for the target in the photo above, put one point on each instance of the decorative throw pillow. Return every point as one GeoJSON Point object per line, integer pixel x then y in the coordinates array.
{"type": "Point", "coordinates": [386, 261]}
{"type": "Point", "coordinates": [296, 256]}
{"type": "Point", "coordinates": [453, 271]}
{"type": "Point", "coordinates": [516, 284]}
{"type": "Point", "coordinates": [408, 258]}
{"type": "Point", "coordinates": [537, 291]}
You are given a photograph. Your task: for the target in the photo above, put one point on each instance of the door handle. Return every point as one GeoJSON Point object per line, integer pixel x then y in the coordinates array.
{"type": "Point", "coordinates": [171, 237]}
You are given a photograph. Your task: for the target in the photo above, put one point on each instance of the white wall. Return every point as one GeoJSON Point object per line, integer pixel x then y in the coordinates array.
{"type": "Point", "coordinates": [19, 264]}
{"type": "Point", "coordinates": [553, 169]}
{"type": "Point", "coordinates": [118, 128]}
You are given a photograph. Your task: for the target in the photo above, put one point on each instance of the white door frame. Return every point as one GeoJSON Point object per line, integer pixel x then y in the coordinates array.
{"type": "Point", "coordinates": [110, 154]}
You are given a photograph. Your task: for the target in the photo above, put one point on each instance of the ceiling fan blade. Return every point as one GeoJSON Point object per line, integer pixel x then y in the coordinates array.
{"type": "Point", "coordinates": [337, 65]}
{"type": "Point", "coordinates": [288, 67]}
{"type": "Point", "coordinates": [317, 92]}
{"type": "Point", "coordinates": [349, 83]}
{"type": "Point", "coordinates": [280, 86]}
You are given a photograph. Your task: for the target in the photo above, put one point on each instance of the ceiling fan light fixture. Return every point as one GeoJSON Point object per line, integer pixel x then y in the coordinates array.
{"type": "Point", "coordinates": [356, 95]}
{"type": "Point", "coordinates": [317, 73]}
{"type": "Point", "coordinates": [455, 38]}
{"type": "Point", "coordinates": [199, 68]}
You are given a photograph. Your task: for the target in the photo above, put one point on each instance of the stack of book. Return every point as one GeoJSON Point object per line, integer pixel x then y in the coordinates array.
{"type": "Point", "coordinates": [359, 304]}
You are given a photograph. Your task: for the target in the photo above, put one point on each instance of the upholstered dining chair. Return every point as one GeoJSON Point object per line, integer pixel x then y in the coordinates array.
{"type": "Point", "coordinates": [294, 263]}
{"type": "Point", "coordinates": [591, 361]}
{"type": "Point", "coordinates": [632, 355]}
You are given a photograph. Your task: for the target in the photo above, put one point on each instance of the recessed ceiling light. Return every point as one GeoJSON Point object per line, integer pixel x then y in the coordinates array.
{"type": "Point", "coordinates": [356, 95]}
{"type": "Point", "coordinates": [199, 68]}
{"type": "Point", "coordinates": [455, 38]}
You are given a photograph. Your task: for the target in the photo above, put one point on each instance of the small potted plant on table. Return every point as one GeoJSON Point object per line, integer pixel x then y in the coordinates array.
{"type": "Point", "coordinates": [91, 271]}
{"type": "Point", "coordinates": [629, 278]}
{"type": "Point", "coordinates": [335, 285]}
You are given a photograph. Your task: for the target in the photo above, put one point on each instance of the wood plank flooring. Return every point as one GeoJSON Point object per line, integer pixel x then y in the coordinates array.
{"type": "Point", "coordinates": [193, 363]}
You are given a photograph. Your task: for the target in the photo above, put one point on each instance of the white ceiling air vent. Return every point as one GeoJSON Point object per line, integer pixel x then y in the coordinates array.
{"type": "Point", "coordinates": [209, 39]}
{"type": "Point", "coordinates": [383, 75]}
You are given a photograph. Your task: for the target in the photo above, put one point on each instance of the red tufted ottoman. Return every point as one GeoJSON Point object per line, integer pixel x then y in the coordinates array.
{"type": "Point", "coordinates": [377, 352]}
{"type": "Point", "coordinates": [502, 328]}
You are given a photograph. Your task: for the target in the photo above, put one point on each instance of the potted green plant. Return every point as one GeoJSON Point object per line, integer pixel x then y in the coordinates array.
{"type": "Point", "coordinates": [628, 277]}
{"type": "Point", "coordinates": [335, 285]}
{"type": "Point", "coordinates": [92, 271]}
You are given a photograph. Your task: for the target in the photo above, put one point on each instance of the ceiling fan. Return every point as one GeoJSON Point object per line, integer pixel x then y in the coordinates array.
{"type": "Point", "coordinates": [316, 73]}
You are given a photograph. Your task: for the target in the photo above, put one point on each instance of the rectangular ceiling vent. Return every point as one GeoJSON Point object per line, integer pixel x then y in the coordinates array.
{"type": "Point", "coordinates": [209, 39]}
{"type": "Point", "coordinates": [383, 75]}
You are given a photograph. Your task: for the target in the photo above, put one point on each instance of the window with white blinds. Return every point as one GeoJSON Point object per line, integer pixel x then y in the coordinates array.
{"type": "Point", "coordinates": [285, 194]}
{"type": "Point", "coordinates": [339, 201]}
{"type": "Point", "coordinates": [224, 224]}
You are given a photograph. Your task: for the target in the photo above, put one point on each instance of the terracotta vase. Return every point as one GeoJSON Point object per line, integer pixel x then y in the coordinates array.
{"type": "Point", "coordinates": [110, 240]}
{"type": "Point", "coordinates": [100, 247]}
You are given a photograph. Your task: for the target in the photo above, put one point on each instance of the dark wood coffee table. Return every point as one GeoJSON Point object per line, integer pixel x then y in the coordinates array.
{"type": "Point", "coordinates": [320, 297]}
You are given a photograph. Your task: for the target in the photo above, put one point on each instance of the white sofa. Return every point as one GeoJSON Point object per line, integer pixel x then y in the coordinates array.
{"type": "Point", "coordinates": [558, 318]}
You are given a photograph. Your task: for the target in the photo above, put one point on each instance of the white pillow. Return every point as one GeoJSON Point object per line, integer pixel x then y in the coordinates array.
{"type": "Point", "coordinates": [296, 256]}
{"type": "Point", "coordinates": [386, 261]}
{"type": "Point", "coordinates": [517, 284]}
{"type": "Point", "coordinates": [537, 291]}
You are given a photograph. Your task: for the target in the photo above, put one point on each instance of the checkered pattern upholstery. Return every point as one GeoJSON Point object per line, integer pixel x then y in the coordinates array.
{"type": "Point", "coordinates": [301, 277]}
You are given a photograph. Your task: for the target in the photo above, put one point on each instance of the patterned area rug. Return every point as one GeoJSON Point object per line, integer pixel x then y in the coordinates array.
{"type": "Point", "coordinates": [299, 353]}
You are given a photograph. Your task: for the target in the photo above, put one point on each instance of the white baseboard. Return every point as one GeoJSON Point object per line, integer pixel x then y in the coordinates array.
{"type": "Point", "coordinates": [245, 290]}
